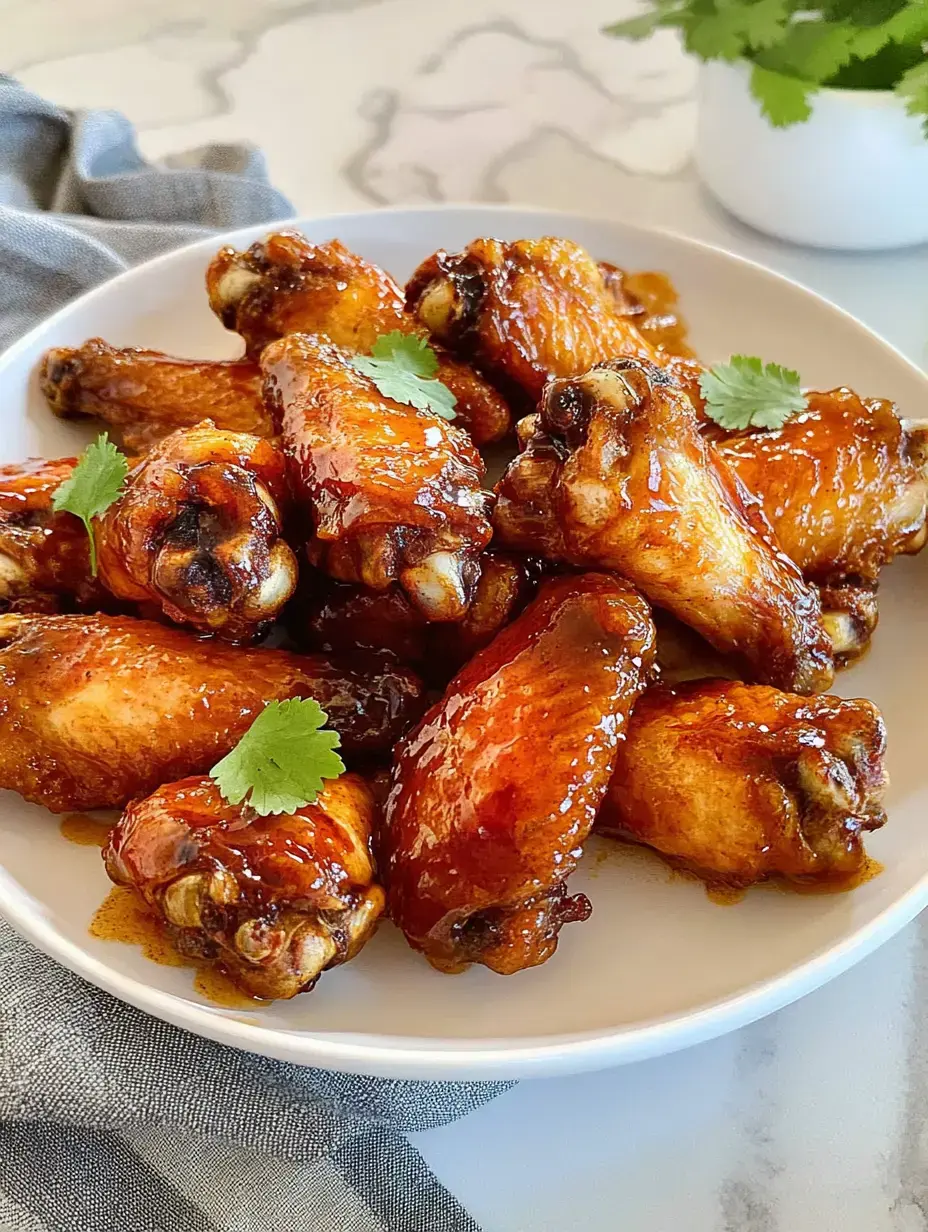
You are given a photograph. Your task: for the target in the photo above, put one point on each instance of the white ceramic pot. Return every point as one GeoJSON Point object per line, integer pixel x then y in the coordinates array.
{"type": "Point", "coordinates": [854, 175]}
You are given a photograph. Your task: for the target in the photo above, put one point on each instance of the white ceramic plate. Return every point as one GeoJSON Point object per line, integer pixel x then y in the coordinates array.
{"type": "Point", "coordinates": [658, 966]}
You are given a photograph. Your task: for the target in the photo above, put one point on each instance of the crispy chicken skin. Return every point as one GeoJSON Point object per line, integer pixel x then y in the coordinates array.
{"type": "Point", "coordinates": [197, 531]}
{"type": "Point", "coordinates": [634, 486]}
{"type": "Point", "coordinates": [286, 285]}
{"type": "Point", "coordinates": [844, 484]}
{"type": "Point", "coordinates": [97, 710]}
{"type": "Point", "coordinates": [275, 901]}
{"type": "Point", "coordinates": [44, 555]}
{"type": "Point", "coordinates": [741, 782]}
{"type": "Point", "coordinates": [530, 310]}
{"type": "Point", "coordinates": [388, 493]}
{"type": "Point", "coordinates": [337, 618]}
{"type": "Point", "coordinates": [144, 395]}
{"type": "Point", "coordinates": [495, 791]}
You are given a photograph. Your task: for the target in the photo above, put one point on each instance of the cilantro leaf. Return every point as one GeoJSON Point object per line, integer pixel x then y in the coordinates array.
{"type": "Point", "coordinates": [716, 36]}
{"type": "Point", "coordinates": [783, 100]}
{"type": "Point", "coordinates": [813, 50]}
{"type": "Point", "coordinates": [403, 367]}
{"type": "Point", "coordinates": [913, 87]}
{"type": "Point", "coordinates": [93, 485]}
{"type": "Point", "coordinates": [281, 761]}
{"type": "Point", "coordinates": [746, 393]}
{"type": "Point", "coordinates": [764, 22]}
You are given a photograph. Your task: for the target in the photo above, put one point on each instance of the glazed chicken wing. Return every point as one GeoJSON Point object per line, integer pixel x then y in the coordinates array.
{"type": "Point", "coordinates": [97, 710]}
{"type": "Point", "coordinates": [530, 310]}
{"type": "Point", "coordinates": [44, 555]}
{"type": "Point", "coordinates": [495, 791]}
{"type": "Point", "coordinates": [341, 619]}
{"type": "Point", "coordinates": [622, 479]}
{"type": "Point", "coordinates": [197, 531]}
{"type": "Point", "coordinates": [275, 901]}
{"type": "Point", "coordinates": [844, 484]}
{"type": "Point", "coordinates": [286, 285]}
{"type": "Point", "coordinates": [741, 782]}
{"type": "Point", "coordinates": [388, 493]}
{"type": "Point", "coordinates": [144, 395]}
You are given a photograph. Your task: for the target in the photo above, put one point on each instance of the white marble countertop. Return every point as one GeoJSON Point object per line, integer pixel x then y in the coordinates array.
{"type": "Point", "coordinates": [815, 1120]}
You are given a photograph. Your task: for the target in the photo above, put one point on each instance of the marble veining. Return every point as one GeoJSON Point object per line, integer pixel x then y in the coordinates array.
{"type": "Point", "coordinates": [815, 1120]}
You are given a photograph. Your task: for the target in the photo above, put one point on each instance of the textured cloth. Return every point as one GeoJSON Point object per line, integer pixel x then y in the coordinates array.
{"type": "Point", "coordinates": [111, 1121]}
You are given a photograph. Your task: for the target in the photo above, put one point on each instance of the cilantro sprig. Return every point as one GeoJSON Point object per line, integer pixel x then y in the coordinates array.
{"type": "Point", "coordinates": [281, 762]}
{"type": "Point", "coordinates": [403, 368]}
{"type": "Point", "coordinates": [747, 393]}
{"type": "Point", "coordinates": [93, 485]}
{"type": "Point", "coordinates": [797, 47]}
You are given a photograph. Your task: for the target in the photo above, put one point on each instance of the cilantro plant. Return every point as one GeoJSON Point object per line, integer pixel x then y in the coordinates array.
{"type": "Point", "coordinates": [796, 47]}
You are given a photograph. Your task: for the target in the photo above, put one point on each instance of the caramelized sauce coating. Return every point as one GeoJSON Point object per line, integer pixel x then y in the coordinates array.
{"type": "Point", "coordinates": [531, 310]}
{"type": "Point", "coordinates": [621, 478]}
{"type": "Point", "coordinates": [495, 791]}
{"type": "Point", "coordinates": [844, 485]}
{"type": "Point", "coordinates": [741, 782]}
{"type": "Point", "coordinates": [341, 619]}
{"type": "Point", "coordinates": [43, 555]}
{"type": "Point", "coordinates": [97, 710]}
{"type": "Point", "coordinates": [286, 285]}
{"type": "Point", "coordinates": [144, 395]}
{"type": "Point", "coordinates": [198, 531]}
{"type": "Point", "coordinates": [275, 900]}
{"type": "Point", "coordinates": [388, 493]}
{"type": "Point", "coordinates": [650, 299]}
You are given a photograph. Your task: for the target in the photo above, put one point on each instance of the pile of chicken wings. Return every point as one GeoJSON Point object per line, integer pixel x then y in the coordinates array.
{"type": "Point", "coordinates": [506, 668]}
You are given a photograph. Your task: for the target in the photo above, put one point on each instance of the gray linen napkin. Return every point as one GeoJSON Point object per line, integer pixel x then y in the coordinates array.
{"type": "Point", "coordinates": [111, 1121]}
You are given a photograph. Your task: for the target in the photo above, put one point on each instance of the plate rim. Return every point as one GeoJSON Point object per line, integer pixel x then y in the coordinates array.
{"type": "Point", "coordinates": [428, 1057]}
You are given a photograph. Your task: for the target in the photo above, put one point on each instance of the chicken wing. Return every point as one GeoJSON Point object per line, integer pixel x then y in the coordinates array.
{"type": "Point", "coordinates": [197, 531]}
{"type": "Point", "coordinates": [741, 782]}
{"type": "Point", "coordinates": [633, 486]}
{"type": "Point", "coordinates": [275, 901]}
{"type": "Point", "coordinates": [495, 791]}
{"type": "Point", "coordinates": [144, 395]}
{"type": "Point", "coordinates": [844, 485]}
{"type": "Point", "coordinates": [286, 285]}
{"type": "Point", "coordinates": [44, 555]}
{"type": "Point", "coordinates": [388, 493]}
{"type": "Point", "coordinates": [530, 310]}
{"type": "Point", "coordinates": [337, 618]}
{"type": "Point", "coordinates": [97, 710]}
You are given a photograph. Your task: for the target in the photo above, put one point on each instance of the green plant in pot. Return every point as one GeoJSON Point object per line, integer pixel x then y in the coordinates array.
{"type": "Point", "coordinates": [813, 119]}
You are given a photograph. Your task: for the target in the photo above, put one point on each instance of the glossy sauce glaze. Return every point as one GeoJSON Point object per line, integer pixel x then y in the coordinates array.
{"type": "Point", "coordinates": [273, 899]}
{"type": "Point", "coordinates": [198, 531]}
{"type": "Point", "coordinates": [41, 552]}
{"type": "Point", "coordinates": [495, 791]}
{"type": "Point", "coordinates": [844, 484]}
{"type": "Point", "coordinates": [636, 487]}
{"type": "Point", "coordinates": [145, 395]}
{"type": "Point", "coordinates": [283, 285]}
{"type": "Point", "coordinates": [739, 783]}
{"type": "Point", "coordinates": [530, 310]}
{"type": "Point", "coordinates": [97, 710]}
{"type": "Point", "coordinates": [387, 493]}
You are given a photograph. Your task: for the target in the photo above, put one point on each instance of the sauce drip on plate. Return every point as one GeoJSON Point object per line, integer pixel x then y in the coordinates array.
{"type": "Point", "coordinates": [125, 917]}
